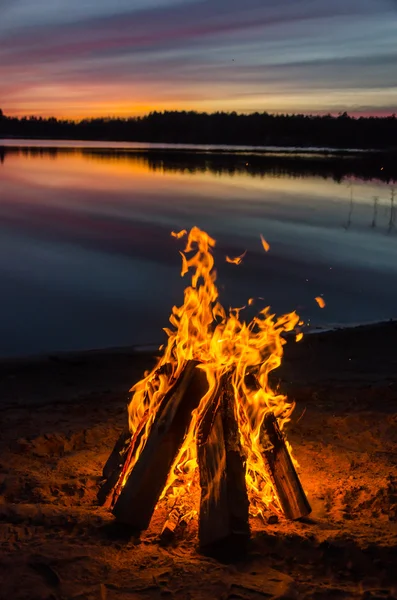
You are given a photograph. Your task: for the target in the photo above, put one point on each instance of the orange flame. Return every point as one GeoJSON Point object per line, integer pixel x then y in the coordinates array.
{"type": "Point", "coordinates": [201, 329]}
{"type": "Point", "coordinates": [178, 234]}
{"type": "Point", "coordinates": [320, 301]}
{"type": "Point", "coordinates": [236, 261]}
{"type": "Point", "coordinates": [265, 244]}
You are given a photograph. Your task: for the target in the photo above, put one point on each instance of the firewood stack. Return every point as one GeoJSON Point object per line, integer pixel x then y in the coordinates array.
{"type": "Point", "coordinates": [131, 489]}
{"type": "Point", "coordinates": [214, 421]}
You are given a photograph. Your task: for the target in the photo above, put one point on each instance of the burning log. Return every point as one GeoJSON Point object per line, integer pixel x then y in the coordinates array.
{"type": "Point", "coordinates": [121, 457]}
{"type": "Point", "coordinates": [281, 468]}
{"type": "Point", "coordinates": [113, 467]}
{"type": "Point", "coordinates": [138, 498]}
{"type": "Point", "coordinates": [224, 502]}
{"type": "Point", "coordinates": [119, 450]}
{"type": "Point", "coordinates": [123, 452]}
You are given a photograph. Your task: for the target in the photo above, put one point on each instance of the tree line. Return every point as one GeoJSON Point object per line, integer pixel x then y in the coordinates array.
{"type": "Point", "coordinates": [256, 129]}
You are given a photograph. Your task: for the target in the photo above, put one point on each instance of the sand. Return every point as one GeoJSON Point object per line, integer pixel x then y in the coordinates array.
{"type": "Point", "coordinates": [61, 414]}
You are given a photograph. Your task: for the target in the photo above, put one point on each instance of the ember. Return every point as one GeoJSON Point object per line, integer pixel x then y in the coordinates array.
{"type": "Point", "coordinates": [207, 415]}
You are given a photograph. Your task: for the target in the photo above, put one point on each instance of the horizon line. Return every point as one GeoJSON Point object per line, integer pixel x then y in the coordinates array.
{"type": "Point", "coordinates": [355, 114]}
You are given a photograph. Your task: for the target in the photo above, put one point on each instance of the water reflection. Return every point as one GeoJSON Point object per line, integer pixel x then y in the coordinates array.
{"type": "Point", "coordinates": [249, 161]}
{"type": "Point", "coordinates": [86, 259]}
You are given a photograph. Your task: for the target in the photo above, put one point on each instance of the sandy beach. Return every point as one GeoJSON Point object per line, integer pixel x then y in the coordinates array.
{"type": "Point", "coordinates": [61, 415]}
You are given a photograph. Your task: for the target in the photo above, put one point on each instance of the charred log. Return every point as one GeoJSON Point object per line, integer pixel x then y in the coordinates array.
{"type": "Point", "coordinates": [116, 456]}
{"type": "Point", "coordinates": [138, 498]}
{"type": "Point", "coordinates": [111, 488]}
{"type": "Point", "coordinates": [113, 467]}
{"type": "Point", "coordinates": [123, 453]}
{"type": "Point", "coordinates": [223, 520]}
{"type": "Point", "coordinates": [281, 468]}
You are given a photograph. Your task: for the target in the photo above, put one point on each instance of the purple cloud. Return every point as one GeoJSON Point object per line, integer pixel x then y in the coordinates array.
{"type": "Point", "coordinates": [189, 47]}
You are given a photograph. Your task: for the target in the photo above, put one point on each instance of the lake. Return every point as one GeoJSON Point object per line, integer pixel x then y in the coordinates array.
{"type": "Point", "coordinates": [87, 260]}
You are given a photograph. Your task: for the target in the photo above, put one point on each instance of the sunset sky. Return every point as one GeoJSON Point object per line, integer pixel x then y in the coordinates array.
{"type": "Point", "coordinates": [77, 58]}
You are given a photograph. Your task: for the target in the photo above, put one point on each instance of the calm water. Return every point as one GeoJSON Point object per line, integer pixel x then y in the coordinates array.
{"type": "Point", "coordinates": [86, 257]}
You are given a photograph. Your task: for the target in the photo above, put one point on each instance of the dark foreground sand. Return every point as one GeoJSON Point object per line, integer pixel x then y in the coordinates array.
{"type": "Point", "coordinates": [61, 415]}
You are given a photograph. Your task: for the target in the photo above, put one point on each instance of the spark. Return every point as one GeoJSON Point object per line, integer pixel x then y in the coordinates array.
{"type": "Point", "coordinates": [320, 301]}
{"type": "Point", "coordinates": [265, 244]}
{"type": "Point", "coordinates": [178, 234]}
{"type": "Point", "coordinates": [237, 260]}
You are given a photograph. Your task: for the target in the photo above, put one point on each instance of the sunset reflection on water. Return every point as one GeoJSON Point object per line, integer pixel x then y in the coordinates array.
{"type": "Point", "coordinates": [86, 257]}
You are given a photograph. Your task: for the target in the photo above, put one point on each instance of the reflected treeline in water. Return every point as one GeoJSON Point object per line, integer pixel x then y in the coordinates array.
{"type": "Point", "coordinates": [338, 166]}
{"type": "Point", "coordinates": [392, 219]}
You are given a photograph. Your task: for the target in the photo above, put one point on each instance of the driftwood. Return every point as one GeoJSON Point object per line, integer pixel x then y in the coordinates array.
{"type": "Point", "coordinates": [284, 476]}
{"type": "Point", "coordinates": [139, 496]}
{"type": "Point", "coordinates": [223, 520]}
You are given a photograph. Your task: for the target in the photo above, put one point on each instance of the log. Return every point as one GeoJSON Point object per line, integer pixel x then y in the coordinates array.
{"type": "Point", "coordinates": [123, 452]}
{"type": "Point", "coordinates": [170, 526]}
{"type": "Point", "coordinates": [120, 448]}
{"type": "Point", "coordinates": [113, 468]}
{"type": "Point", "coordinates": [138, 498]}
{"type": "Point", "coordinates": [111, 488]}
{"type": "Point", "coordinates": [281, 468]}
{"type": "Point", "coordinates": [223, 519]}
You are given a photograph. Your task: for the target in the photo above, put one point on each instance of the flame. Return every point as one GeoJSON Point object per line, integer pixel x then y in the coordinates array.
{"type": "Point", "coordinates": [320, 301]}
{"type": "Point", "coordinates": [265, 244]}
{"type": "Point", "coordinates": [178, 234]}
{"type": "Point", "coordinates": [236, 261]}
{"type": "Point", "coordinates": [223, 342]}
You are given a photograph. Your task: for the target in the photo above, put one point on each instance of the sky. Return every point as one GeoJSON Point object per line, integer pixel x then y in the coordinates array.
{"type": "Point", "coordinates": [81, 58]}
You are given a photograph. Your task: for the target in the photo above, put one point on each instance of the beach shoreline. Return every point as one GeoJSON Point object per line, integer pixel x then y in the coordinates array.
{"type": "Point", "coordinates": [61, 415]}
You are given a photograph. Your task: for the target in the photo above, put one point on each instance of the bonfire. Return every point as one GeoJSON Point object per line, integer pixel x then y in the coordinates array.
{"type": "Point", "coordinates": [206, 417]}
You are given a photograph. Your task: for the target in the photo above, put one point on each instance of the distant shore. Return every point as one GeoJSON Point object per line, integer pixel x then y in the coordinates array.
{"type": "Point", "coordinates": [218, 128]}
{"type": "Point", "coordinates": [44, 142]}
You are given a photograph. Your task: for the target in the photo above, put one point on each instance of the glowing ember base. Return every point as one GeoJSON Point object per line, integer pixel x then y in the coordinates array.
{"type": "Point", "coordinates": [206, 415]}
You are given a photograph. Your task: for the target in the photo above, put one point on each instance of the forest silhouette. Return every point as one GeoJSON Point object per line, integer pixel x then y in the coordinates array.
{"type": "Point", "coordinates": [256, 129]}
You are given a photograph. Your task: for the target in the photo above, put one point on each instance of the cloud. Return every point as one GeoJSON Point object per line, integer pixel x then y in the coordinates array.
{"type": "Point", "coordinates": [188, 47]}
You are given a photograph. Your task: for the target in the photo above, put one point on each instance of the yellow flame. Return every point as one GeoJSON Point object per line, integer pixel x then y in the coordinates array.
{"type": "Point", "coordinates": [265, 244]}
{"type": "Point", "coordinates": [320, 301]}
{"type": "Point", "coordinates": [236, 261]}
{"type": "Point", "coordinates": [223, 342]}
{"type": "Point", "coordinates": [299, 336]}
